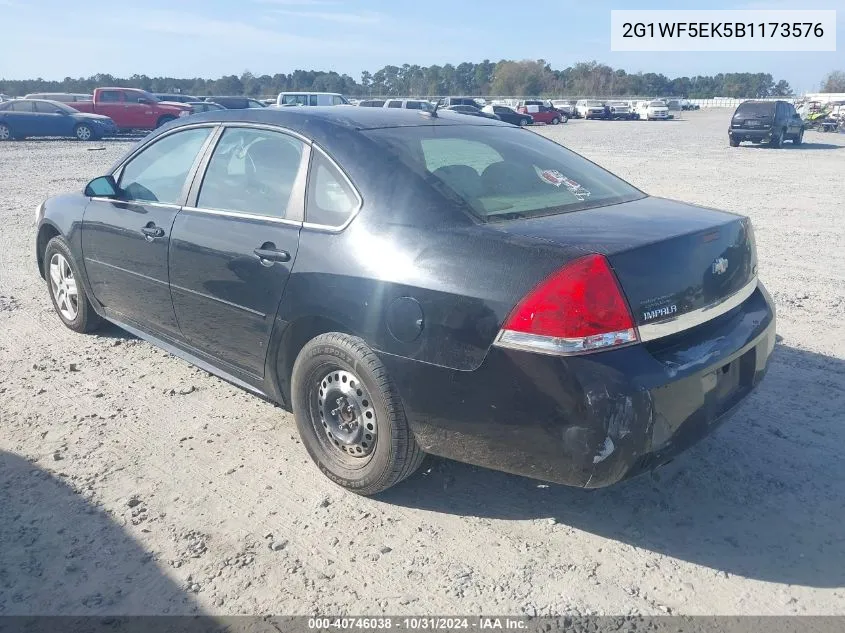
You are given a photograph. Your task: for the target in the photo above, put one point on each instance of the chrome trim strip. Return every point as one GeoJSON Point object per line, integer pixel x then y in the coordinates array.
{"type": "Point", "coordinates": [667, 327]}
{"type": "Point", "coordinates": [145, 203]}
{"type": "Point", "coordinates": [559, 346]}
{"type": "Point", "coordinates": [324, 227]}
{"type": "Point", "coordinates": [242, 215]}
{"type": "Point", "coordinates": [124, 270]}
{"type": "Point", "coordinates": [218, 300]}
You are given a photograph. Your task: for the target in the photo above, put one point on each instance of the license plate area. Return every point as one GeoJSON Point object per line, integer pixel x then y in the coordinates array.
{"type": "Point", "coordinates": [731, 380]}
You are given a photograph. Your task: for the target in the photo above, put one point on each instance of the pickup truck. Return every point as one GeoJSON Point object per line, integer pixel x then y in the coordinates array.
{"type": "Point", "coordinates": [132, 109]}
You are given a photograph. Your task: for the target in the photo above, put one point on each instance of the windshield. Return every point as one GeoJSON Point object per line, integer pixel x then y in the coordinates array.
{"type": "Point", "coordinates": [657, 104]}
{"type": "Point", "coordinates": [593, 104]}
{"type": "Point", "coordinates": [502, 173]}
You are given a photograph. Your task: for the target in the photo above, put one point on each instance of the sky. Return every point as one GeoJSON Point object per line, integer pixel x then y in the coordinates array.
{"type": "Point", "coordinates": [53, 39]}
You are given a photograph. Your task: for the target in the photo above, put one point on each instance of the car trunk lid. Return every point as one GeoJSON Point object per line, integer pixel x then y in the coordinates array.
{"type": "Point", "coordinates": [670, 258]}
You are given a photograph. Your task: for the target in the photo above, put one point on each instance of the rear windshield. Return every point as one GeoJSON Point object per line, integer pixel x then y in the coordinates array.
{"type": "Point", "coordinates": [756, 109]}
{"type": "Point", "coordinates": [501, 173]}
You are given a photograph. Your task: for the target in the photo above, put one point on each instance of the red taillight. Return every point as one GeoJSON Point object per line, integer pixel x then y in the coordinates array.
{"type": "Point", "coordinates": [579, 308]}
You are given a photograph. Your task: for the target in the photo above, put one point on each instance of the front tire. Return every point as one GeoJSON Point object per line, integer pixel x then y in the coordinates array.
{"type": "Point", "coordinates": [350, 416]}
{"type": "Point", "coordinates": [83, 132]}
{"type": "Point", "coordinates": [555, 121]}
{"type": "Point", "coordinates": [5, 132]}
{"type": "Point", "coordinates": [165, 120]}
{"type": "Point", "coordinates": [523, 122]}
{"type": "Point", "coordinates": [66, 290]}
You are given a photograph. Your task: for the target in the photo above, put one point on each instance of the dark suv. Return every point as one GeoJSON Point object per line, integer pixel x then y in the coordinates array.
{"type": "Point", "coordinates": [771, 122]}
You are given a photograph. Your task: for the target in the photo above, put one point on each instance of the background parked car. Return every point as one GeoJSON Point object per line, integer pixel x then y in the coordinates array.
{"type": "Point", "coordinates": [770, 122]}
{"type": "Point", "coordinates": [445, 102]}
{"type": "Point", "coordinates": [64, 97]}
{"type": "Point", "coordinates": [471, 111]}
{"type": "Point", "coordinates": [567, 107]}
{"type": "Point", "coordinates": [175, 97]}
{"type": "Point", "coordinates": [620, 110]}
{"type": "Point", "coordinates": [541, 112]}
{"type": "Point", "coordinates": [204, 106]}
{"type": "Point", "coordinates": [20, 118]}
{"type": "Point", "coordinates": [132, 109]}
{"type": "Point", "coordinates": [311, 99]}
{"type": "Point", "coordinates": [654, 110]}
{"type": "Point", "coordinates": [237, 103]}
{"type": "Point", "coordinates": [509, 115]}
{"type": "Point", "coordinates": [409, 104]}
{"type": "Point", "coordinates": [590, 109]}
{"type": "Point", "coordinates": [370, 103]}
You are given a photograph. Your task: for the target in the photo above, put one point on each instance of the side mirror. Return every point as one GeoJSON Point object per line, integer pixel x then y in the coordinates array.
{"type": "Point", "coordinates": [144, 101]}
{"type": "Point", "coordinates": [102, 187]}
{"type": "Point", "coordinates": [60, 112]}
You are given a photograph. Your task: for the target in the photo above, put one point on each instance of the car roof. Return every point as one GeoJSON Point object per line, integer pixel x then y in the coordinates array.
{"type": "Point", "coordinates": [319, 120]}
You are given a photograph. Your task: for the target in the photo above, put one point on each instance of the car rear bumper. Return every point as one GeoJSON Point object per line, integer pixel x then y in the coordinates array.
{"type": "Point", "coordinates": [751, 134]}
{"type": "Point", "coordinates": [591, 420]}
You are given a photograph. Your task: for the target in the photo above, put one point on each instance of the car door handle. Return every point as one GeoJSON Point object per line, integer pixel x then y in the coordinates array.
{"type": "Point", "coordinates": [152, 232]}
{"type": "Point", "coordinates": [268, 256]}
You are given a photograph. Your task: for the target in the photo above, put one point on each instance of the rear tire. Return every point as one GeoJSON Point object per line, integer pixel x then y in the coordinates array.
{"type": "Point", "coordinates": [66, 289]}
{"type": "Point", "coordinates": [733, 141]}
{"type": "Point", "coordinates": [350, 416]}
{"type": "Point", "coordinates": [799, 138]}
{"type": "Point", "coordinates": [777, 141]}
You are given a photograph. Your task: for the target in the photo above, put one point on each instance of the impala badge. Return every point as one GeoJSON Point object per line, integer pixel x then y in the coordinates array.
{"type": "Point", "coordinates": [720, 266]}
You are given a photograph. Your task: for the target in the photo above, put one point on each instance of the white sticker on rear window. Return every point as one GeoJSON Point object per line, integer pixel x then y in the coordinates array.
{"type": "Point", "coordinates": [554, 177]}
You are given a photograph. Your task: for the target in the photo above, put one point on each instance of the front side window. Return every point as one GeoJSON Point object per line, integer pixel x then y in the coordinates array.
{"type": "Point", "coordinates": [51, 107]}
{"type": "Point", "coordinates": [330, 200]}
{"type": "Point", "coordinates": [158, 173]}
{"type": "Point", "coordinates": [499, 173]}
{"type": "Point", "coordinates": [252, 171]}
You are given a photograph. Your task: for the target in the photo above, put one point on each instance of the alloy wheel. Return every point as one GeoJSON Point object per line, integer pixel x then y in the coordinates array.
{"type": "Point", "coordinates": [83, 133]}
{"type": "Point", "coordinates": [5, 134]}
{"type": "Point", "coordinates": [346, 415]}
{"type": "Point", "coordinates": [64, 287]}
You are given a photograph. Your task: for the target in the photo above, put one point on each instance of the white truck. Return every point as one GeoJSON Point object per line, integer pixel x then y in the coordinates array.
{"type": "Point", "coordinates": [653, 110]}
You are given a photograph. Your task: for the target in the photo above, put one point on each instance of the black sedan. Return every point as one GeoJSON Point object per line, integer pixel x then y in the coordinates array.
{"type": "Point", "coordinates": [509, 115]}
{"type": "Point", "coordinates": [22, 118]}
{"type": "Point", "coordinates": [409, 283]}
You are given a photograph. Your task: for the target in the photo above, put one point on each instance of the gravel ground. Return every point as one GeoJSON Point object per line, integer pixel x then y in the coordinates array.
{"type": "Point", "coordinates": [131, 482]}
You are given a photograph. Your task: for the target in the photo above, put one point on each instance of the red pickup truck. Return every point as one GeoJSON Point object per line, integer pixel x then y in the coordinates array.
{"type": "Point", "coordinates": [132, 109]}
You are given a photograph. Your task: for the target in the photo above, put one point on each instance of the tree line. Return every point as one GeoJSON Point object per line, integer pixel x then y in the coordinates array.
{"type": "Point", "coordinates": [503, 78]}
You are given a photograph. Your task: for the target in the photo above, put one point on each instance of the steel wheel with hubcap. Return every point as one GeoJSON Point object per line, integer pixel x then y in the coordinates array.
{"type": "Point", "coordinates": [84, 133]}
{"type": "Point", "coordinates": [523, 122]}
{"type": "Point", "coordinates": [66, 290]}
{"type": "Point", "coordinates": [5, 132]}
{"type": "Point", "coordinates": [349, 415]}
{"type": "Point", "coordinates": [555, 121]}
{"type": "Point", "coordinates": [346, 416]}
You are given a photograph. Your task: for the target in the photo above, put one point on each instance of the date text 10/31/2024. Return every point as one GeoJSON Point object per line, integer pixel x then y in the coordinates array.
{"type": "Point", "coordinates": [417, 624]}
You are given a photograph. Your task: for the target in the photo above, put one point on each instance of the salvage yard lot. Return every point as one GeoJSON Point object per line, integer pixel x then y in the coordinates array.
{"type": "Point", "coordinates": [131, 482]}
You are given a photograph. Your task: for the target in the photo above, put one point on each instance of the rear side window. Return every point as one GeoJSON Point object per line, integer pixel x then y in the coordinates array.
{"type": "Point", "coordinates": [22, 106]}
{"type": "Point", "coordinates": [109, 96]}
{"type": "Point", "coordinates": [331, 200]}
{"type": "Point", "coordinates": [158, 172]}
{"type": "Point", "coordinates": [394, 104]}
{"type": "Point", "coordinates": [251, 171]}
{"type": "Point", "coordinates": [501, 173]}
